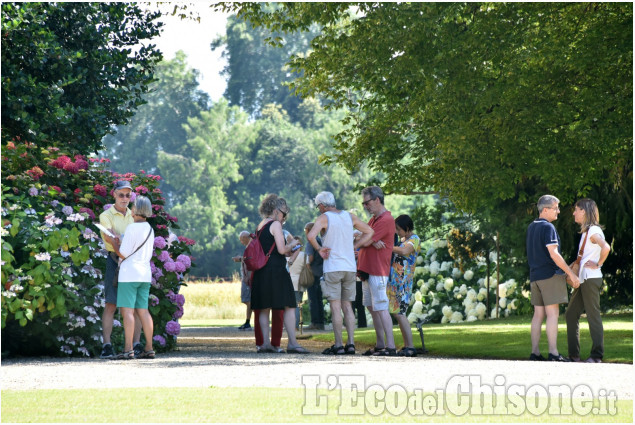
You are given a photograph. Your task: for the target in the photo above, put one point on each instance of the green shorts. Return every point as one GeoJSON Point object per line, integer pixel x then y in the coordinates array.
{"type": "Point", "coordinates": [133, 294]}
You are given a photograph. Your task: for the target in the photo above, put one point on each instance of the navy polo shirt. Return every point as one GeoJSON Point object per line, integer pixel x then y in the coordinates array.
{"type": "Point", "coordinates": [540, 234]}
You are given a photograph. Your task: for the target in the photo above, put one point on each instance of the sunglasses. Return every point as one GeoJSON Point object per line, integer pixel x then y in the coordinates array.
{"type": "Point", "coordinates": [284, 214]}
{"type": "Point", "coordinates": [124, 195]}
{"type": "Point", "coordinates": [365, 203]}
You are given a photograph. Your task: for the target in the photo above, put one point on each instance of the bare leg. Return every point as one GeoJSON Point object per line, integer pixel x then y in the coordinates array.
{"type": "Point", "coordinates": [349, 321]}
{"type": "Point", "coordinates": [107, 318]}
{"type": "Point", "coordinates": [148, 326]}
{"type": "Point", "coordinates": [379, 328]}
{"type": "Point", "coordinates": [552, 312]}
{"type": "Point", "coordinates": [536, 328]}
{"type": "Point", "coordinates": [386, 320]}
{"type": "Point", "coordinates": [128, 327]}
{"type": "Point", "coordinates": [264, 327]}
{"type": "Point", "coordinates": [406, 330]}
{"type": "Point", "coordinates": [336, 318]}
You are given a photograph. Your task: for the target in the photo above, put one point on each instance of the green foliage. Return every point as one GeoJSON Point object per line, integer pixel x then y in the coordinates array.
{"type": "Point", "coordinates": [256, 72]}
{"type": "Point", "coordinates": [72, 70]}
{"type": "Point", "coordinates": [157, 125]}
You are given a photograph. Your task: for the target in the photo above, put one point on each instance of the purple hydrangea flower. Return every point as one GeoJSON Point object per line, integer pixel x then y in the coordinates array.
{"type": "Point", "coordinates": [160, 340]}
{"type": "Point", "coordinates": [179, 267]}
{"type": "Point", "coordinates": [179, 299]}
{"type": "Point", "coordinates": [107, 206]}
{"type": "Point", "coordinates": [67, 210]}
{"type": "Point", "coordinates": [172, 328]}
{"type": "Point", "coordinates": [170, 266]}
{"type": "Point", "coordinates": [157, 273]}
{"type": "Point", "coordinates": [153, 300]}
{"type": "Point", "coordinates": [33, 191]}
{"type": "Point", "coordinates": [164, 256]}
{"type": "Point", "coordinates": [159, 242]}
{"type": "Point", "coordinates": [185, 259]}
{"type": "Point", "coordinates": [178, 313]}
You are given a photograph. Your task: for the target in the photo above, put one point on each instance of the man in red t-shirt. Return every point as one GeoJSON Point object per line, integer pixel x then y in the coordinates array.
{"type": "Point", "coordinates": [374, 269]}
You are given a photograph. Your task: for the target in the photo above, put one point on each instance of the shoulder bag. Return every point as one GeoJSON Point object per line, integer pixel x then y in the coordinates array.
{"type": "Point", "coordinates": [305, 281]}
{"type": "Point", "coordinates": [575, 266]}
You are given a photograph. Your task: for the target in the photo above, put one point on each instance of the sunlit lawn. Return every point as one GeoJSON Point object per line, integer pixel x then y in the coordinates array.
{"type": "Point", "coordinates": [248, 405]}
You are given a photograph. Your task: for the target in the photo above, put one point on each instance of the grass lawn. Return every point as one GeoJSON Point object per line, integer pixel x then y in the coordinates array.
{"type": "Point", "coordinates": [247, 405]}
{"type": "Point", "coordinates": [509, 338]}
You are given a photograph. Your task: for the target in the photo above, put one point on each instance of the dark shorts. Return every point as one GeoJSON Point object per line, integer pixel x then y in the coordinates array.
{"type": "Point", "coordinates": [549, 291]}
{"type": "Point", "coordinates": [110, 291]}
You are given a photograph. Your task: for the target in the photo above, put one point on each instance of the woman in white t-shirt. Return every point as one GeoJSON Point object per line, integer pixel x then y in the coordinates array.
{"type": "Point", "coordinates": [135, 277]}
{"type": "Point", "coordinates": [586, 298]}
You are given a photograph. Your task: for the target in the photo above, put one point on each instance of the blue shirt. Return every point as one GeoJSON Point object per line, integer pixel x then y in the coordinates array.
{"type": "Point", "coordinates": [540, 234]}
{"type": "Point", "coordinates": [318, 261]}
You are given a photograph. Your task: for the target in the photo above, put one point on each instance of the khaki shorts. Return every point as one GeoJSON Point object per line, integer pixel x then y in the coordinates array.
{"type": "Point", "coordinates": [549, 291]}
{"type": "Point", "coordinates": [339, 286]}
{"type": "Point", "coordinates": [374, 292]}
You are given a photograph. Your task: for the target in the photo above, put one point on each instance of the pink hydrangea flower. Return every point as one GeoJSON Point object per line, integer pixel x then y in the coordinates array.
{"type": "Point", "coordinates": [160, 242]}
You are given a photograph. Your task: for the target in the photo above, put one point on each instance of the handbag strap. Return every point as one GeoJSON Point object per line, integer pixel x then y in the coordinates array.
{"type": "Point", "coordinates": [139, 247]}
{"type": "Point", "coordinates": [581, 252]}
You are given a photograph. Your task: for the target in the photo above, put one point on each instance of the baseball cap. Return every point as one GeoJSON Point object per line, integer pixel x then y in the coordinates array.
{"type": "Point", "coordinates": [122, 184]}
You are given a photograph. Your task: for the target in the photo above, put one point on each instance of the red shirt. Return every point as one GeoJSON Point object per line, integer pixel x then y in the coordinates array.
{"type": "Point", "coordinates": [377, 261]}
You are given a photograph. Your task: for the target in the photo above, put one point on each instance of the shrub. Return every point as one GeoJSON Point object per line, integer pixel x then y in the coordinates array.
{"type": "Point", "coordinates": [53, 257]}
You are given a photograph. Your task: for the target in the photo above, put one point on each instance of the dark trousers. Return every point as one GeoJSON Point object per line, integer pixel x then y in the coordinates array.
{"type": "Point", "coordinates": [586, 298]}
{"type": "Point", "coordinates": [315, 302]}
{"type": "Point", "coordinates": [358, 307]}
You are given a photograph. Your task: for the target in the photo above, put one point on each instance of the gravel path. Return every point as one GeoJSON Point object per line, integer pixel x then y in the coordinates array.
{"type": "Point", "coordinates": [223, 357]}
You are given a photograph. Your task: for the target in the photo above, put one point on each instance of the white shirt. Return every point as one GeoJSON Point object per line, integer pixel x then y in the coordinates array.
{"type": "Point", "coordinates": [136, 267]}
{"type": "Point", "coordinates": [591, 252]}
{"type": "Point", "coordinates": [339, 237]}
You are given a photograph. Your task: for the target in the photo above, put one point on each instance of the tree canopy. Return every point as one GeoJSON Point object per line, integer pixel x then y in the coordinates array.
{"type": "Point", "coordinates": [70, 71]}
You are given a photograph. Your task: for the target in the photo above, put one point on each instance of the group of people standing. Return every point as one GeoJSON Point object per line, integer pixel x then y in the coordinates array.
{"type": "Point", "coordinates": [549, 275]}
{"type": "Point", "coordinates": [348, 249]}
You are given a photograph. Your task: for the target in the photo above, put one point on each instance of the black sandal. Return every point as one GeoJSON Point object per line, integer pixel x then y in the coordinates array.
{"type": "Point", "coordinates": [334, 350]}
{"type": "Point", "coordinates": [407, 352]}
{"type": "Point", "coordinates": [371, 351]}
{"type": "Point", "coordinates": [349, 349]}
{"type": "Point", "coordinates": [391, 352]}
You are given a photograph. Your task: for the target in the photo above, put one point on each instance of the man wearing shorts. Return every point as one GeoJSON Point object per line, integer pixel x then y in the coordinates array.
{"type": "Point", "coordinates": [547, 271]}
{"type": "Point", "coordinates": [245, 275]}
{"type": "Point", "coordinates": [374, 268]}
{"type": "Point", "coordinates": [338, 252]}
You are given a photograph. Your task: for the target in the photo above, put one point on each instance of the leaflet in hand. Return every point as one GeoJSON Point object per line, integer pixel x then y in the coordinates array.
{"type": "Point", "coordinates": [103, 229]}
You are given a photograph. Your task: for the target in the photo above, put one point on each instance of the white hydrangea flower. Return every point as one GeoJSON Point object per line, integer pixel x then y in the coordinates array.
{"type": "Point", "coordinates": [445, 319]}
{"type": "Point", "coordinates": [471, 295]}
{"type": "Point", "coordinates": [493, 314]}
{"type": "Point", "coordinates": [471, 312]}
{"type": "Point", "coordinates": [434, 268]}
{"type": "Point", "coordinates": [502, 290]}
{"type": "Point", "coordinates": [419, 259]}
{"type": "Point", "coordinates": [424, 270]}
{"type": "Point", "coordinates": [456, 317]}
{"type": "Point", "coordinates": [456, 273]}
{"type": "Point", "coordinates": [481, 310]}
{"type": "Point", "coordinates": [447, 311]}
{"type": "Point", "coordinates": [448, 284]}
{"type": "Point", "coordinates": [506, 312]}
{"type": "Point", "coordinates": [471, 318]}
{"type": "Point", "coordinates": [492, 257]}
{"type": "Point", "coordinates": [482, 294]}
{"type": "Point", "coordinates": [511, 287]}
{"type": "Point", "coordinates": [481, 282]}
{"type": "Point", "coordinates": [514, 304]}
{"type": "Point", "coordinates": [445, 266]}
{"type": "Point", "coordinates": [412, 318]}
{"type": "Point", "coordinates": [418, 296]}
{"type": "Point", "coordinates": [439, 286]}
{"type": "Point", "coordinates": [430, 282]}
{"type": "Point", "coordinates": [420, 283]}
{"type": "Point", "coordinates": [468, 275]}
{"type": "Point", "coordinates": [435, 302]}
{"type": "Point", "coordinates": [417, 307]}
{"type": "Point", "coordinates": [463, 289]}
{"type": "Point", "coordinates": [502, 302]}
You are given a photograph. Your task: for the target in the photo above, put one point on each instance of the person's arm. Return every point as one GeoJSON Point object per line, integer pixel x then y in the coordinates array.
{"type": "Point", "coordinates": [320, 223]}
{"type": "Point", "coordinates": [367, 232]}
{"type": "Point", "coordinates": [276, 232]}
{"type": "Point", "coordinates": [405, 250]}
{"type": "Point", "coordinates": [605, 250]}
{"type": "Point", "coordinates": [557, 258]}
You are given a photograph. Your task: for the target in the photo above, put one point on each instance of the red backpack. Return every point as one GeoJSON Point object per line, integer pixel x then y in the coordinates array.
{"type": "Point", "coordinates": [254, 256]}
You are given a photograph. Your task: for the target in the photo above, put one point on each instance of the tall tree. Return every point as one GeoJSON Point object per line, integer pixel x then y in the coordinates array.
{"type": "Point", "coordinates": [70, 71]}
{"type": "Point", "coordinates": [256, 72]}
{"type": "Point", "coordinates": [490, 104]}
{"type": "Point", "coordinates": [158, 125]}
